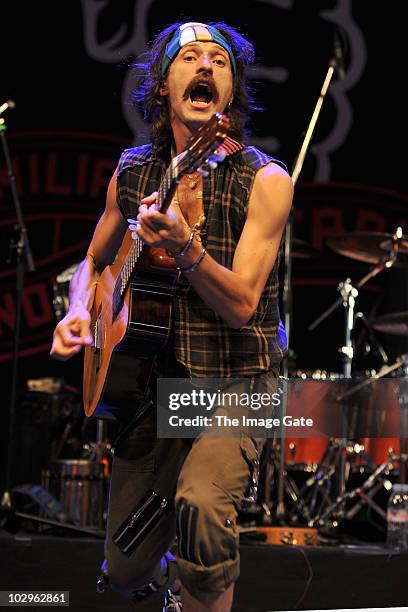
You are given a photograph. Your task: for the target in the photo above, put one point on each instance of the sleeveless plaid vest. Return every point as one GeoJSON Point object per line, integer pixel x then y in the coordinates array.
{"type": "Point", "coordinates": [203, 342]}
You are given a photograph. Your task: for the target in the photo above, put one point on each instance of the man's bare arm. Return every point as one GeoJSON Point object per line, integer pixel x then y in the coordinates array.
{"type": "Point", "coordinates": [235, 293]}
{"type": "Point", "coordinates": [73, 331]}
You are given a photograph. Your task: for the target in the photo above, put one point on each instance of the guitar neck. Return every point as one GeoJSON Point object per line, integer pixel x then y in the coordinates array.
{"type": "Point", "coordinates": [165, 194]}
{"type": "Point", "coordinates": [168, 186]}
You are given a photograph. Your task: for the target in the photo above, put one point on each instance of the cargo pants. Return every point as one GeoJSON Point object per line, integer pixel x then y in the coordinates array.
{"type": "Point", "coordinates": [206, 480]}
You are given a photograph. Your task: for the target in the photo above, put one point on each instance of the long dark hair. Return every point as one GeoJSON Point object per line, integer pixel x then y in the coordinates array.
{"type": "Point", "coordinates": [149, 81]}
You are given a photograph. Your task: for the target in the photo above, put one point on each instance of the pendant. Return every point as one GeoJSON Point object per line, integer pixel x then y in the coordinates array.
{"type": "Point", "coordinates": [193, 180]}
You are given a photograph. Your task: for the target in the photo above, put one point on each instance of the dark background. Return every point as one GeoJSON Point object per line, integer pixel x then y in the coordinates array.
{"type": "Point", "coordinates": [70, 104]}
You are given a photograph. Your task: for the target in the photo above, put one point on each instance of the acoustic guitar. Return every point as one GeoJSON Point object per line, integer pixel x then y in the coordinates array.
{"type": "Point", "coordinates": [131, 311]}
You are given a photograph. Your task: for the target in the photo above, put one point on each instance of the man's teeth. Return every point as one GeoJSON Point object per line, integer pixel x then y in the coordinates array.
{"type": "Point", "coordinates": [200, 102]}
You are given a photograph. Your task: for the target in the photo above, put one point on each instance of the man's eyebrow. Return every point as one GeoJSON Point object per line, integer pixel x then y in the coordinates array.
{"type": "Point", "coordinates": [217, 49]}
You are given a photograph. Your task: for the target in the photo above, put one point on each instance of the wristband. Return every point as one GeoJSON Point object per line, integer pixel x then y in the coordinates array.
{"type": "Point", "coordinates": [184, 249]}
{"type": "Point", "coordinates": [195, 265]}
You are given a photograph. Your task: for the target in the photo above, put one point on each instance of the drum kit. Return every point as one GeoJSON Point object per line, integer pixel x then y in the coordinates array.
{"type": "Point", "coordinates": [317, 472]}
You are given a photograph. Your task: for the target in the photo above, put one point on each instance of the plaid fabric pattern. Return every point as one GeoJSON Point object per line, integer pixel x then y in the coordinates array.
{"type": "Point", "coordinates": [203, 342]}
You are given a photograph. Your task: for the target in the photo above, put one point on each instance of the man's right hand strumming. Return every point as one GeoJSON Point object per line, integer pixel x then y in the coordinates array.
{"type": "Point", "coordinates": [71, 334]}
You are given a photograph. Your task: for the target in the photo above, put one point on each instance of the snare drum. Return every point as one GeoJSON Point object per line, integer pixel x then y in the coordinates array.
{"type": "Point", "coordinates": [79, 485]}
{"type": "Point", "coordinates": [60, 292]}
{"type": "Point", "coordinates": [316, 390]}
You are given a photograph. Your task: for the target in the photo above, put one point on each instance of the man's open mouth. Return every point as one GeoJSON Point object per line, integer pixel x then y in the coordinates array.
{"type": "Point", "coordinates": [201, 94]}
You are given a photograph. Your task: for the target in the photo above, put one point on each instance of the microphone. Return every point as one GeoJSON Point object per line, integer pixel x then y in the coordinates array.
{"type": "Point", "coordinates": [9, 104]}
{"type": "Point", "coordinates": [338, 56]}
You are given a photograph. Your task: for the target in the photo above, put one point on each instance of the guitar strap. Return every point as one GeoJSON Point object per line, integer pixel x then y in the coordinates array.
{"type": "Point", "coordinates": [146, 404]}
{"type": "Point", "coordinates": [163, 365]}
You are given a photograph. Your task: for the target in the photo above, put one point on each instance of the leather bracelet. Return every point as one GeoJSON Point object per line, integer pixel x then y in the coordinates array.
{"type": "Point", "coordinates": [195, 265]}
{"type": "Point", "coordinates": [184, 249]}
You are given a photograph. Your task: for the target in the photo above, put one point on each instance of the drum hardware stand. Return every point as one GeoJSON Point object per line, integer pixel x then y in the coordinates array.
{"type": "Point", "coordinates": [21, 251]}
{"type": "Point", "coordinates": [348, 295]}
{"type": "Point", "coordinates": [319, 484]}
{"type": "Point", "coordinates": [275, 465]}
{"type": "Point", "coordinates": [360, 316]}
{"type": "Point", "coordinates": [398, 363]}
{"type": "Point", "coordinates": [379, 478]}
{"type": "Point", "coordinates": [284, 482]}
{"type": "Point", "coordinates": [365, 492]}
{"type": "Point", "coordinates": [287, 484]}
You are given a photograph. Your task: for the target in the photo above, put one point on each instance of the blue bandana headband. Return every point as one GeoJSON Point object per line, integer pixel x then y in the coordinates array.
{"type": "Point", "coordinates": [190, 32]}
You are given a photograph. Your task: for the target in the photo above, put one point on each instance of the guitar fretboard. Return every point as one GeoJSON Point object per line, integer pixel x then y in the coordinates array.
{"type": "Point", "coordinates": [166, 187]}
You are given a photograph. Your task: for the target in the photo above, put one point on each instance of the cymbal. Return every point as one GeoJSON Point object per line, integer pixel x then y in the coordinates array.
{"type": "Point", "coordinates": [370, 247]}
{"type": "Point", "coordinates": [395, 323]}
{"type": "Point", "coordinates": [303, 250]}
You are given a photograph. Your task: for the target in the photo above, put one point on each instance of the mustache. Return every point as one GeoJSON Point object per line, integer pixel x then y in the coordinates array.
{"type": "Point", "coordinates": [202, 79]}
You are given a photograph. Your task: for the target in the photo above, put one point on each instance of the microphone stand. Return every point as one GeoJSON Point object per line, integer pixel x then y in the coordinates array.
{"type": "Point", "coordinates": [20, 247]}
{"type": "Point", "coordinates": [335, 64]}
{"type": "Point", "coordinates": [287, 283]}
{"type": "Point", "coordinates": [24, 258]}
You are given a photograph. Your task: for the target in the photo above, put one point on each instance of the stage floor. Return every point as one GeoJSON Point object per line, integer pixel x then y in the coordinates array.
{"type": "Point", "coordinates": [272, 577]}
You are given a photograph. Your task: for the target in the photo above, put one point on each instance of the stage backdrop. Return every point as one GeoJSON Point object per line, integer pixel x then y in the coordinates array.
{"type": "Point", "coordinates": [66, 66]}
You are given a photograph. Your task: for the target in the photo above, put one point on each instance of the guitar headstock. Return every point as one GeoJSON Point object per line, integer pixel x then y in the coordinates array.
{"type": "Point", "coordinates": [202, 152]}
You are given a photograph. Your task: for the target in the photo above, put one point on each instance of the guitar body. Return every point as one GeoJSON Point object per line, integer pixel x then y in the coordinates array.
{"type": "Point", "coordinates": [118, 365]}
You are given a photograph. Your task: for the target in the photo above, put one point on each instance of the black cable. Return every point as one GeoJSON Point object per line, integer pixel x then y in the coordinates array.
{"type": "Point", "coordinates": [309, 579]}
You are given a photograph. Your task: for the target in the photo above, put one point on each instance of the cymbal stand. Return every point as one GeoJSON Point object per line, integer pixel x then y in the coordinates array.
{"type": "Point", "coordinates": [347, 288]}
{"type": "Point", "coordinates": [348, 295]}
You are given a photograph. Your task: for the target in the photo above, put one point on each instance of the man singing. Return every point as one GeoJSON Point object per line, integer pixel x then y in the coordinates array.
{"type": "Point", "coordinates": [224, 232]}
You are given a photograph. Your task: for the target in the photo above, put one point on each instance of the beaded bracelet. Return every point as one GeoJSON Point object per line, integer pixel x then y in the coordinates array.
{"type": "Point", "coordinates": [185, 247]}
{"type": "Point", "coordinates": [195, 265]}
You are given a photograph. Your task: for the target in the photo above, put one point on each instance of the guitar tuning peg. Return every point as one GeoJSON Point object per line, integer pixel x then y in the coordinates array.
{"type": "Point", "coordinates": [220, 155]}
{"type": "Point", "coordinates": [204, 173]}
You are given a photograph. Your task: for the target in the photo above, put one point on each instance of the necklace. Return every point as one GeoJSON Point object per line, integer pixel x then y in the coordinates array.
{"type": "Point", "coordinates": [191, 182]}
{"type": "Point", "coordinates": [193, 179]}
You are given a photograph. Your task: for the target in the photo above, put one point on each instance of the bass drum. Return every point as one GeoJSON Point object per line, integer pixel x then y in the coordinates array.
{"type": "Point", "coordinates": [60, 292]}
{"type": "Point", "coordinates": [314, 389]}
